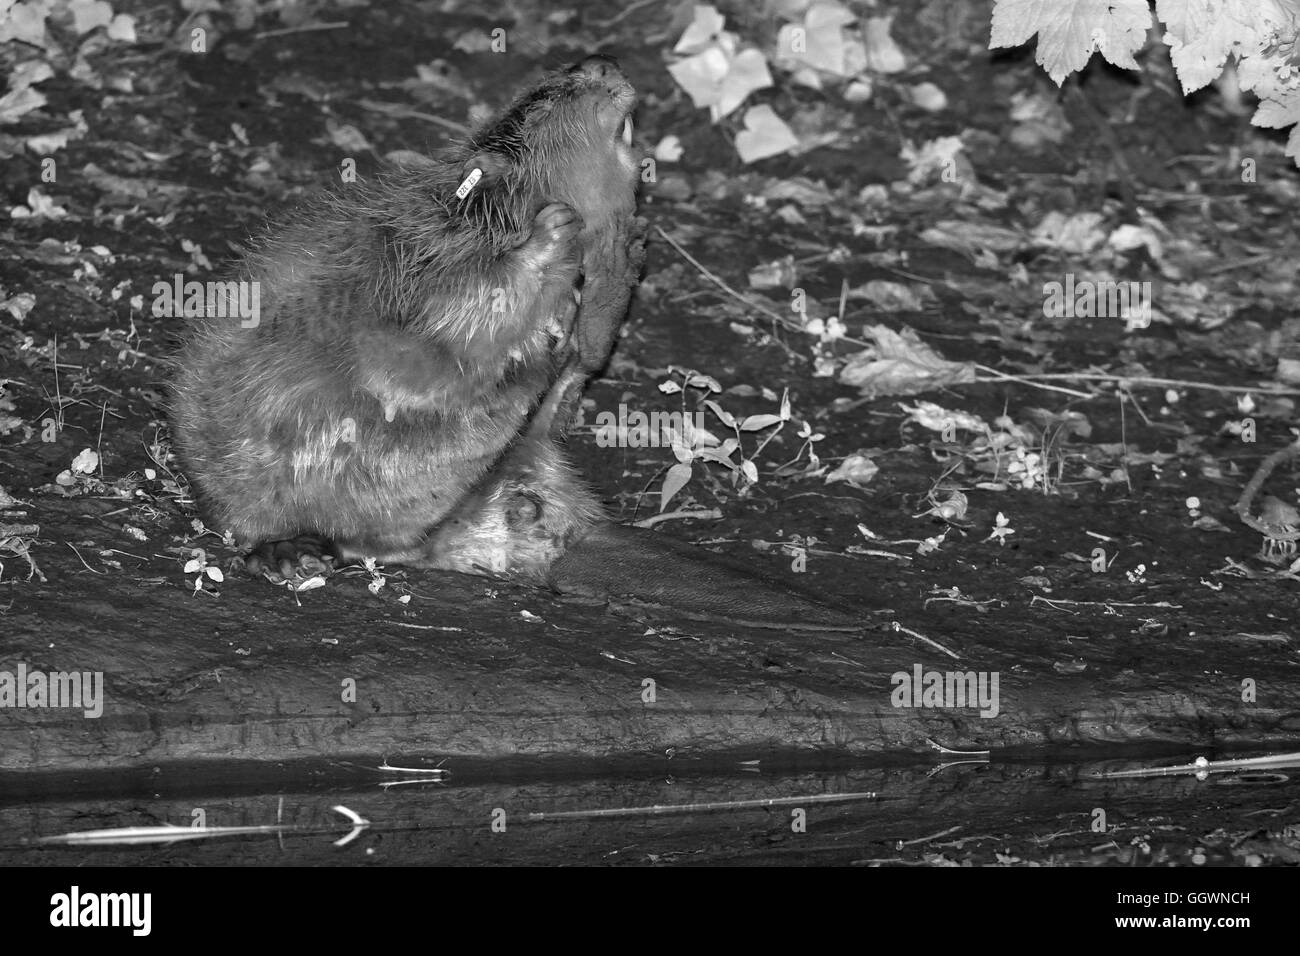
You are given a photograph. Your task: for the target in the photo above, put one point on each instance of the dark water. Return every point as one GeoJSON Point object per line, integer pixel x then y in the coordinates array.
{"type": "Point", "coordinates": [772, 811]}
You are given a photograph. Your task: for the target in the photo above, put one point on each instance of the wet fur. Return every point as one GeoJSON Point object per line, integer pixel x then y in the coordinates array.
{"type": "Point", "coordinates": [406, 341]}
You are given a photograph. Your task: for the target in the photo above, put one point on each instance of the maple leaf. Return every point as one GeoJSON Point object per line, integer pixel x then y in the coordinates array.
{"type": "Point", "coordinates": [1070, 31]}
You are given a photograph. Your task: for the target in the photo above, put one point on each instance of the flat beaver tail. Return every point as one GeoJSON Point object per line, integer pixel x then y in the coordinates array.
{"type": "Point", "coordinates": [519, 525]}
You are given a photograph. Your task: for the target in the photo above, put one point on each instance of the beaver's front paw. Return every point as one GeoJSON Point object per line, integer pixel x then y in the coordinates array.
{"type": "Point", "coordinates": [553, 244]}
{"type": "Point", "coordinates": [613, 265]}
{"type": "Point", "coordinates": [638, 228]}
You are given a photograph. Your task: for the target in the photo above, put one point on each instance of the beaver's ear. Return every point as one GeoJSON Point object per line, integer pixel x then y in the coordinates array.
{"type": "Point", "coordinates": [484, 168]}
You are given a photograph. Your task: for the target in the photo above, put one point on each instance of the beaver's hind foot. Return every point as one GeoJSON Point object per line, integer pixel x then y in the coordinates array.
{"type": "Point", "coordinates": [292, 560]}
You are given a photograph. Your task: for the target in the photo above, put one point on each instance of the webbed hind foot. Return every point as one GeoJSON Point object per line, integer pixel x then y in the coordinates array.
{"type": "Point", "coordinates": [292, 560]}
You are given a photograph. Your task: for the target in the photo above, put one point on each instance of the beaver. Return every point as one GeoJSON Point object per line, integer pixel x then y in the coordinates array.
{"type": "Point", "coordinates": [422, 344]}
{"type": "Point", "coordinates": [408, 331]}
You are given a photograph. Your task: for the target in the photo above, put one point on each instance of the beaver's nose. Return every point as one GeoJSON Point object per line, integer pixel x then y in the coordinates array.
{"type": "Point", "coordinates": [598, 67]}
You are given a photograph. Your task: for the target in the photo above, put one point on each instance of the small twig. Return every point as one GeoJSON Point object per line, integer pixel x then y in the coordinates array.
{"type": "Point", "coordinates": [847, 660]}
{"type": "Point", "coordinates": [1242, 507]}
{"type": "Point", "coordinates": [1123, 442]}
{"type": "Point", "coordinates": [138, 557]}
{"type": "Point", "coordinates": [662, 810]}
{"type": "Point", "coordinates": [1147, 380]}
{"type": "Point", "coordinates": [925, 640]}
{"type": "Point", "coordinates": [956, 753]}
{"type": "Point", "coordinates": [1023, 380]}
{"type": "Point", "coordinates": [1137, 407]}
{"type": "Point", "coordinates": [630, 8]}
{"type": "Point", "coordinates": [711, 513]}
{"type": "Point", "coordinates": [58, 395]}
{"type": "Point", "coordinates": [877, 553]}
{"type": "Point", "coordinates": [1236, 264]}
{"type": "Point", "coordinates": [926, 839]}
{"type": "Point", "coordinates": [302, 28]}
{"type": "Point", "coordinates": [776, 317]}
{"type": "Point", "coordinates": [397, 111]}
{"type": "Point", "coordinates": [645, 490]}
{"type": "Point", "coordinates": [82, 560]}
{"type": "Point", "coordinates": [1052, 602]}
{"type": "Point", "coordinates": [424, 627]}
{"type": "Point", "coordinates": [99, 441]}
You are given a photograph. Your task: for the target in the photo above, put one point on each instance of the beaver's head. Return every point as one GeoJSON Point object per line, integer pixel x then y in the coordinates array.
{"type": "Point", "coordinates": [567, 139]}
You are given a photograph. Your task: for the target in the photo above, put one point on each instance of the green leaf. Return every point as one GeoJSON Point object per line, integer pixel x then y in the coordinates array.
{"type": "Point", "coordinates": [1070, 31]}
{"type": "Point", "coordinates": [717, 456]}
{"type": "Point", "coordinates": [674, 482]}
{"type": "Point", "coordinates": [727, 418]}
{"type": "Point", "coordinates": [704, 381]}
{"type": "Point", "coordinates": [757, 422]}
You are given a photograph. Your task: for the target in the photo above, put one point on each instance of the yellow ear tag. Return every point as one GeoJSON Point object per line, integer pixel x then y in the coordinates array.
{"type": "Point", "coordinates": [470, 182]}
